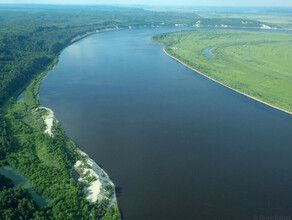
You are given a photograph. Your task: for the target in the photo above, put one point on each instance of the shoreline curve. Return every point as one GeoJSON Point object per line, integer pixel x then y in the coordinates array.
{"type": "Point", "coordinates": [96, 190]}
{"type": "Point", "coordinates": [226, 86]}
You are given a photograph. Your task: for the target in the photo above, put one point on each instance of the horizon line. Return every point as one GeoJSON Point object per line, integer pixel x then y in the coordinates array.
{"type": "Point", "coordinates": [148, 5]}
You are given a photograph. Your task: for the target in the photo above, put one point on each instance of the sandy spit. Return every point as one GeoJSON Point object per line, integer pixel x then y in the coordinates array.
{"type": "Point", "coordinates": [96, 190]}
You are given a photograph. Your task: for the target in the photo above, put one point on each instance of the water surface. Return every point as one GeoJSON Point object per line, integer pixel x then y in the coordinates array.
{"type": "Point", "coordinates": [20, 98]}
{"type": "Point", "coordinates": [207, 53]}
{"type": "Point", "coordinates": [178, 145]}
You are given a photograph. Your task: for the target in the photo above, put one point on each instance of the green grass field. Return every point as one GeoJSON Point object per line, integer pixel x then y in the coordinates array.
{"type": "Point", "coordinates": [255, 63]}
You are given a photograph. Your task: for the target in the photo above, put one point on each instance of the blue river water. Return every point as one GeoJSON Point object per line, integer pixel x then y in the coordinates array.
{"type": "Point", "coordinates": [177, 145]}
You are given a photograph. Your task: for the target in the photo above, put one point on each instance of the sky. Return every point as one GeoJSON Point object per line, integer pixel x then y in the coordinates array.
{"type": "Point", "coordinates": [261, 3]}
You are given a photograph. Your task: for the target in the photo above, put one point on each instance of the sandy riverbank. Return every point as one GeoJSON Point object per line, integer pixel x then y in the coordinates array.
{"type": "Point", "coordinates": [81, 36]}
{"type": "Point", "coordinates": [235, 90]}
{"type": "Point", "coordinates": [97, 189]}
{"type": "Point", "coordinates": [49, 120]}
{"type": "Point", "coordinates": [98, 184]}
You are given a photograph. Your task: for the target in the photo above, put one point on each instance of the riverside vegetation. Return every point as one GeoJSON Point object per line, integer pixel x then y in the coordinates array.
{"type": "Point", "coordinates": [255, 63]}
{"type": "Point", "coordinates": [31, 40]}
{"type": "Point", "coordinates": [48, 161]}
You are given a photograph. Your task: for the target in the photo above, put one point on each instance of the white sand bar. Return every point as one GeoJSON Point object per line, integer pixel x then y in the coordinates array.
{"type": "Point", "coordinates": [263, 26]}
{"type": "Point", "coordinates": [49, 120]}
{"type": "Point", "coordinates": [96, 190]}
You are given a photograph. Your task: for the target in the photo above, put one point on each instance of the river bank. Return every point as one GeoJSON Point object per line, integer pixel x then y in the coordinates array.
{"type": "Point", "coordinates": [81, 36]}
{"type": "Point", "coordinates": [98, 189]}
{"type": "Point", "coordinates": [52, 173]}
{"type": "Point", "coordinates": [235, 90]}
{"type": "Point", "coordinates": [98, 185]}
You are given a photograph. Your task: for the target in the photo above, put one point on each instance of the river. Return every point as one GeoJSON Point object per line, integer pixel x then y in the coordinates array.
{"type": "Point", "coordinates": [176, 144]}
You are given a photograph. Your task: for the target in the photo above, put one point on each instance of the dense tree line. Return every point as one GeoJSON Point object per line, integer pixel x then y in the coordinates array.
{"type": "Point", "coordinates": [6, 140]}
{"type": "Point", "coordinates": [24, 56]}
{"type": "Point", "coordinates": [5, 182]}
{"type": "Point", "coordinates": [17, 203]}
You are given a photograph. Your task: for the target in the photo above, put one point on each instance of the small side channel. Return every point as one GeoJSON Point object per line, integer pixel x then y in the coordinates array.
{"type": "Point", "coordinates": [20, 98]}
{"type": "Point", "coordinates": [18, 179]}
{"type": "Point", "coordinates": [207, 53]}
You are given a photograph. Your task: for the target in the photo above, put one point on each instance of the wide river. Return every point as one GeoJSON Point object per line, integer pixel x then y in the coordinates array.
{"type": "Point", "coordinates": [177, 145]}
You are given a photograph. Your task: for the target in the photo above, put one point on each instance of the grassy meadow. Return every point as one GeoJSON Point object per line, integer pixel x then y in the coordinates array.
{"type": "Point", "coordinates": [255, 63]}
